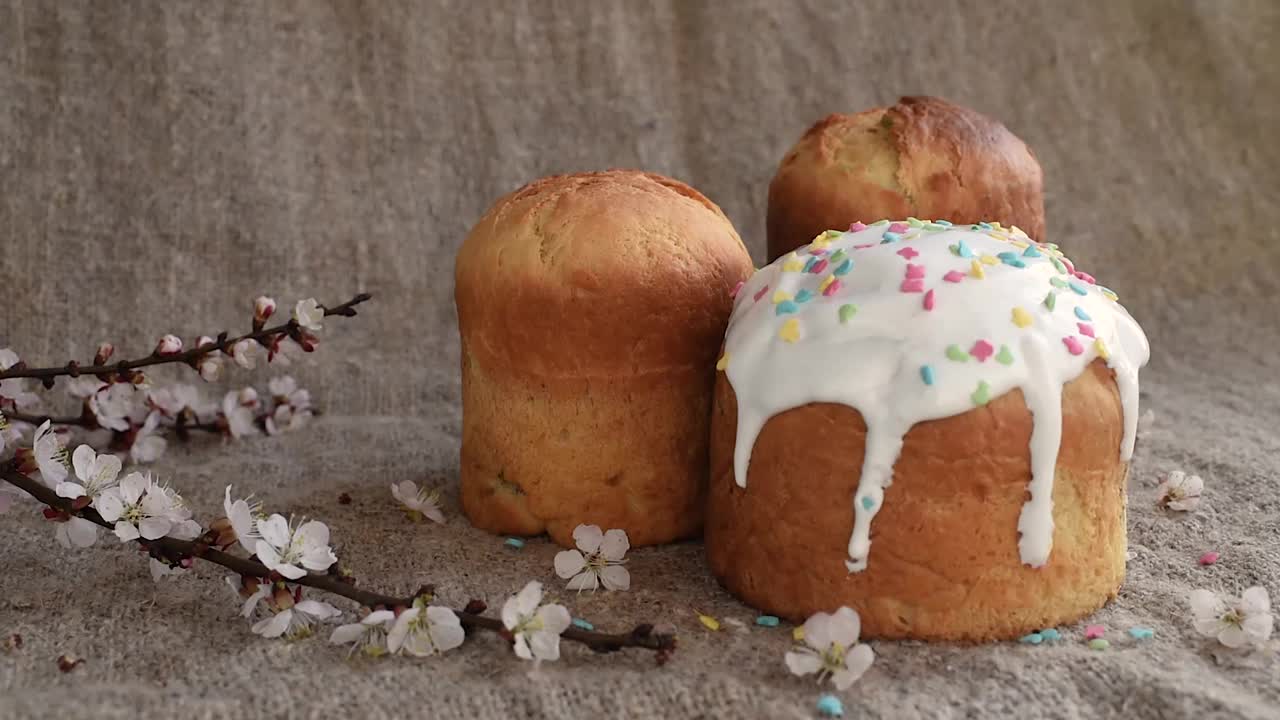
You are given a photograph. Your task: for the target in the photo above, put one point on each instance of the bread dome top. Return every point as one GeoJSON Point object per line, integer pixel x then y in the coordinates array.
{"type": "Point", "coordinates": [913, 320]}
{"type": "Point", "coordinates": [597, 274]}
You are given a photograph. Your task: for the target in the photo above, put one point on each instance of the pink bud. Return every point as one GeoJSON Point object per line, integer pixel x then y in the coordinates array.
{"type": "Point", "coordinates": [1209, 558]}
{"type": "Point", "coordinates": [105, 351]}
{"type": "Point", "coordinates": [204, 340]}
{"type": "Point", "coordinates": [169, 345]}
{"type": "Point", "coordinates": [263, 307]}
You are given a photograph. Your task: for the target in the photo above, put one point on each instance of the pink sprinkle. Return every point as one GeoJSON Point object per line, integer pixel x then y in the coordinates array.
{"type": "Point", "coordinates": [1073, 345]}
{"type": "Point", "coordinates": [928, 300]}
{"type": "Point", "coordinates": [1085, 277]}
{"type": "Point", "coordinates": [912, 285]}
{"type": "Point", "coordinates": [1209, 558]}
{"type": "Point", "coordinates": [915, 271]}
{"type": "Point", "coordinates": [1093, 632]}
{"type": "Point", "coordinates": [760, 293]}
{"type": "Point", "coordinates": [864, 247]}
{"type": "Point", "coordinates": [737, 289]}
{"type": "Point", "coordinates": [857, 227]}
{"type": "Point", "coordinates": [1085, 329]}
{"type": "Point", "coordinates": [981, 350]}
{"type": "Point", "coordinates": [953, 276]}
{"type": "Point", "coordinates": [1071, 268]}
{"type": "Point", "coordinates": [908, 253]}
{"type": "Point", "coordinates": [832, 288]}
{"type": "Point", "coordinates": [899, 228]}
{"type": "Point", "coordinates": [817, 252]}
{"type": "Point", "coordinates": [819, 266]}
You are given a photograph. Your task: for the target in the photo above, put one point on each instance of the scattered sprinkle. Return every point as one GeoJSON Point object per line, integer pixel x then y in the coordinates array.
{"type": "Point", "coordinates": [583, 624]}
{"type": "Point", "coordinates": [1142, 633]}
{"type": "Point", "coordinates": [737, 289]}
{"type": "Point", "coordinates": [928, 300]}
{"type": "Point", "coordinates": [1058, 283]}
{"type": "Point", "coordinates": [915, 272]}
{"type": "Point", "coordinates": [1085, 277]}
{"type": "Point", "coordinates": [926, 374]}
{"type": "Point", "coordinates": [822, 286]}
{"type": "Point", "coordinates": [868, 502]}
{"type": "Point", "coordinates": [797, 633]}
{"type": "Point", "coordinates": [767, 621]}
{"type": "Point", "coordinates": [989, 260]}
{"type": "Point", "coordinates": [803, 296]}
{"type": "Point", "coordinates": [1108, 293]}
{"type": "Point", "coordinates": [817, 251]}
{"type": "Point", "coordinates": [935, 226]}
{"type": "Point", "coordinates": [1080, 313]}
{"type": "Point", "coordinates": [847, 311]}
{"type": "Point", "coordinates": [723, 362]}
{"type": "Point", "coordinates": [943, 223]}
{"type": "Point", "coordinates": [1031, 252]}
{"type": "Point", "coordinates": [792, 266]}
{"type": "Point", "coordinates": [890, 237]}
{"type": "Point", "coordinates": [981, 350]}
{"type": "Point", "coordinates": [1073, 345]}
{"type": "Point", "coordinates": [1077, 288]}
{"type": "Point", "coordinates": [975, 269]}
{"type": "Point", "coordinates": [808, 266]}
{"type": "Point", "coordinates": [780, 295]}
{"type": "Point", "coordinates": [898, 227]}
{"type": "Point", "coordinates": [955, 353]}
{"type": "Point", "coordinates": [1057, 265]}
{"type": "Point", "coordinates": [953, 276]}
{"type": "Point", "coordinates": [1209, 558]}
{"type": "Point", "coordinates": [1051, 299]}
{"type": "Point", "coordinates": [819, 266]}
{"type": "Point", "coordinates": [844, 267]}
{"type": "Point", "coordinates": [708, 622]}
{"type": "Point", "coordinates": [1085, 329]}
{"type": "Point", "coordinates": [912, 285]}
{"type": "Point", "coordinates": [1034, 638]}
{"type": "Point", "coordinates": [1050, 634]}
{"type": "Point", "coordinates": [1007, 255]}
{"type": "Point", "coordinates": [1094, 631]}
{"type": "Point", "coordinates": [1101, 348]}
{"type": "Point", "coordinates": [515, 543]}
{"type": "Point", "coordinates": [831, 288]}
{"type": "Point", "coordinates": [982, 395]}
{"type": "Point", "coordinates": [790, 331]}
{"type": "Point", "coordinates": [830, 706]}
{"type": "Point", "coordinates": [786, 307]}
{"type": "Point", "coordinates": [1004, 357]}
{"type": "Point", "coordinates": [1099, 644]}
{"type": "Point", "coordinates": [915, 222]}
{"type": "Point", "coordinates": [962, 249]}
{"type": "Point", "coordinates": [1022, 318]}
{"type": "Point", "coordinates": [908, 252]}
{"type": "Point", "coordinates": [857, 227]}
{"type": "Point", "coordinates": [761, 293]}
{"type": "Point", "coordinates": [837, 257]}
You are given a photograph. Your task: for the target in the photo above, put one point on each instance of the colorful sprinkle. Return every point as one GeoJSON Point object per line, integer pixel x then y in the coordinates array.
{"type": "Point", "coordinates": [819, 266]}
{"type": "Point", "coordinates": [915, 271]}
{"type": "Point", "coordinates": [962, 249]}
{"type": "Point", "coordinates": [1058, 283]}
{"type": "Point", "coordinates": [1007, 255]}
{"type": "Point", "coordinates": [1142, 633]}
{"type": "Point", "coordinates": [1085, 277]}
{"type": "Point", "coordinates": [1031, 251]}
{"type": "Point", "coordinates": [1004, 357]}
{"type": "Point", "coordinates": [803, 296]}
{"type": "Point", "coordinates": [846, 312]}
{"type": "Point", "coordinates": [583, 624]}
{"type": "Point", "coordinates": [1073, 345]}
{"type": "Point", "coordinates": [832, 287]}
{"type": "Point", "coordinates": [830, 706]}
{"type": "Point", "coordinates": [975, 269]}
{"type": "Point", "coordinates": [797, 633]}
{"type": "Point", "coordinates": [989, 260]}
{"type": "Point", "coordinates": [1051, 300]}
{"type": "Point", "coordinates": [908, 252]}
{"type": "Point", "coordinates": [1022, 318]}
{"type": "Point", "coordinates": [857, 227]}
{"type": "Point", "coordinates": [808, 266]}
{"type": "Point", "coordinates": [890, 237]}
{"type": "Point", "coordinates": [928, 300]}
{"type": "Point", "coordinates": [822, 286]}
{"type": "Point", "coordinates": [844, 267]}
{"type": "Point", "coordinates": [1080, 313]}
{"type": "Point", "coordinates": [792, 266]}
{"type": "Point", "coordinates": [1108, 293]}
{"type": "Point", "coordinates": [1085, 329]}
{"type": "Point", "coordinates": [1050, 634]}
{"type": "Point", "coordinates": [912, 285]}
{"type": "Point", "coordinates": [761, 293]}
{"type": "Point", "coordinates": [1077, 288]}
{"type": "Point", "coordinates": [786, 307]}
{"type": "Point", "coordinates": [915, 222]}
{"type": "Point", "coordinates": [926, 374]}
{"type": "Point", "coordinates": [953, 276]}
{"type": "Point", "coordinates": [1209, 558]}
{"type": "Point", "coordinates": [790, 331]}
{"type": "Point", "coordinates": [955, 353]}
{"type": "Point", "coordinates": [934, 226]}
{"type": "Point", "coordinates": [515, 543]}
{"type": "Point", "coordinates": [737, 289]}
{"type": "Point", "coordinates": [780, 295]}
{"type": "Point", "coordinates": [984, 225]}
{"type": "Point", "coordinates": [708, 622]}
{"type": "Point", "coordinates": [981, 350]}
{"type": "Point", "coordinates": [767, 621]}
{"type": "Point", "coordinates": [838, 257]}
{"type": "Point", "coordinates": [1015, 262]}
{"type": "Point", "coordinates": [723, 362]}
{"type": "Point", "coordinates": [943, 223]}
{"type": "Point", "coordinates": [817, 251]}
{"type": "Point", "coordinates": [868, 502]}
{"type": "Point", "coordinates": [898, 227]}
{"type": "Point", "coordinates": [1101, 348]}
{"type": "Point", "coordinates": [1057, 265]}
{"type": "Point", "coordinates": [1099, 644]}
{"type": "Point", "coordinates": [1094, 631]}
{"type": "Point", "coordinates": [1032, 639]}
{"type": "Point", "coordinates": [982, 395]}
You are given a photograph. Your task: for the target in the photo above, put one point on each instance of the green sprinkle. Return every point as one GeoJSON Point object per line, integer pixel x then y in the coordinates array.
{"type": "Point", "coordinates": [846, 312]}
{"type": "Point", "coordinates": [944, 223]}
{"type": "Point", "coordinates": [955, 353]}
{"type": "Point", "coordinates": [879, 222]}
{"type": "Point", "coordinates": [1099, 644]}
{"type": "Point", "coordinates": [935, 226]}
{"type": "Point", "coordinates": [1077, 288]}
{"type": "Point", "coordinates": [1057, 264]}
{"type": "Point", "coordinates": [1004, 357]}
{"type": "Point", "coordinates": [1051, 246]}
{"type": "Point", "coordinates": [1142, 633]}
{"type": "Point", "coordinates": [809, 265]}
{"type": "Point", "coordinates": [837, 257]}
{"type": "Point", "coordinates": [834, 233]}
{"type": "Point", "coordinates": [1058, 283]}
{"type": "Point", "coordinates": [1050, 300]}
{"type": "Point", "coordinates": [982, 395]}
{"type": "Point", "coordinates": [914, 222]}
{"type": "Point", "coordinates": [583, 624]}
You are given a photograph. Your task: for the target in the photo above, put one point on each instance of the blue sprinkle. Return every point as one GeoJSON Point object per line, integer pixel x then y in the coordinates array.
{"type": "Point", "coordinates": [1050, 634]}
{"type": "Point", "coordinates": [889, 237]}
{"type": "Point", "coordinates": [1080, 313]}
{"type": "Point", "coordinates": [813, 260]}
{"type": "Point", "coordinates": [516, 543]}
{"type": "Point", "coordinates": [1077, 288]}
{"type": "Point", "coordinates": [946, 223]}
{"type": "Point", "coordinates": [785, 307]}
{"type": "Point", "coordinates": [767, 621]}
{"type": "Point", "coordinates": [1032, 639]}
{"type": "Point", "coordinates": [1031, 251]}
{"type": "Point", "coordinates": [830, 706]}
{"type": "Point", "coordinates": [926, 374]}
{"type": "Point", "coordinates": [985, 225]}
{"type": "Point", "coordinates": [844, 268]}
{"type": "Point", "coordinates": [804, 296]}
{"type": "Point", "coordinates": [1007, 255]}
{"type": "Point", "coordinates": [868, 502]}
{"type": "Point", "coordinates": [1015, 263]}
{"type": "Point", "coordinates": [962, 249]}
{"type": "Point", "coordinates": [1142, 633]}
{"type": "Point", "coordinates": [580, 623]}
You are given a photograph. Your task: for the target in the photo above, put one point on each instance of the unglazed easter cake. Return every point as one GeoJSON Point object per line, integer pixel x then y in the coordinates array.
{"type": "Point", "coordinates": [930, 424]}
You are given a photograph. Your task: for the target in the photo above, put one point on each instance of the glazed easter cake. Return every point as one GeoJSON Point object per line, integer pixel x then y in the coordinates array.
{"type": "Point", "coordinates": [930, 424]}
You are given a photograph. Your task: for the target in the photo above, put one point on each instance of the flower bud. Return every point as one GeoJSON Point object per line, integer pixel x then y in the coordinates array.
{"type": "Point", "coordinates": [281, 599]}
{"type": "Point", "coordinates": [204, 340]}
{"type": "Point", "coordinates": [263, 308]}
{"type": "Point", "coordinates": [248, 397]}
{"type": "Point", "coordinates": [210, 368]}
{"type": "Point", "coordinates": [105, 351]}
{"type": "Point", "coordinates": [169, 345]}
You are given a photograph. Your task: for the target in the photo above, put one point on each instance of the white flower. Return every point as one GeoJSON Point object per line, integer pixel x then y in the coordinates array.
{"type": "Point", "coordinates": [173, 399]}
{"type": "Point", "coordinates": [140, 507]}
{"type": "Point", "coordinates": [1180, 491]}
{"type": "Point", "coordinates": [147, 446]}
{"type": "Point", "coordinates": [282, 387]}
{"type": "Point", "coordinates": [238, 408]}
{"type": "Point", "coordinates": [262, 592]}
{"type": "Point", "coordinates": [210, 367]}
{"type": "Point", "coordinates": [308, 314]}
{"type": "Point", "coordinates": [84, 386]}
{"type": "Point", "coordinates": [283, 548]}
{"type": "Point", "coordinates": [76, 532]}
{"type": "Point", "coordinates": [96, 474]}
{"type": "Point", "coordinates": [369, 636]}
{"type": "Point", "coordinates": [50, 456]}
{"type": "Point", "coordinates": [418, 504]}
{"type": "Point", "coordinates": [425, 630]}
{"type": "Point", "coordinates": [1247, 620]}
{"type": "Point", "coordinates": [285, 418]}
{"type": "Point", "coordinates": [536, 629]}
{"type": "Point", "coordinates": [598, 560]}
{"type": "Point", "coordinates": [295, 622]}
{"type": "Point", "coordinates": [169, 345]}
{"type": "Point", "coordinates": [831, 649]}
{"type": "Point", "coordinates": [115, 406]}
{"type": "Point", "coordinates": [284, 351]}
{"type": "Point", "coordinates": [246, 353]}
{"type": "Point", "coordinates": [263, 308]}
{"type": "Point", "coordinates": [14, 390]}
{"type": "Point", "coordinates": [243, 517]}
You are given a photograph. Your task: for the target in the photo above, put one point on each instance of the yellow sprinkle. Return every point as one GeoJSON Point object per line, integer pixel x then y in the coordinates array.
{"type": "Point", "coordinates": [1101, 347]}
{"type": "Point", "coordinates": [995, 224]}
{"type": "Point", "coordinates": [975, 269]}
{"type": "Point", "coordinates": [780, 295]}
{"type": "Point", "coordinates": [822, 241]}
{"type": "Point", "coordinates": [1021, 317]}
{"type": "Point", "coordinates": [990, 260]}
{"type": "Point", "coordinates": [723, 362]}
{"type": "Point", "coordinates": [1017, 230]}
{"type": "Point", "coordinates": [709, 622]}
{"type": "Point", "coordinates": [1110, 295]}
{"type": "Point", "coordinates": [826, 281]}
{"type": "Point", "coordinates": [1018, 244]}
{"type": "Point", "coordinates": [790, 330]}
{"type": "Point", "coordinates": [792, 266]}
{"type": "Point", "coordinates": [797, 633]}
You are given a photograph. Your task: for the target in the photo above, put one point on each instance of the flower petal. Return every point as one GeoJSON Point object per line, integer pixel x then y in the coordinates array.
{"type": "Point", "coordinates": [275, 625]}
{"type": "Point", "coordinates": [82, 460]}
{"type": "Point", "coordinates": [1255, 600]}
{"type": "Point", "coordinates": [528, 598]}
{"type": "Point", "coordinates": [817, 633]}
{"type": "Point", "coordinates": [521, 646]}
{"type": "Point", "coordinates": [379, 617]}
{"type": "Point", "coordinates": [615, 545]}
{"type": "Point", "coordinates": [1258, 627]}
{"type": "Point", "coordinates": [132, 487]}
{"type": "Point", "coordinates": [69, 489]}
{"type": "Point", "coordinates": [344, 634]}
{"type": "Point", "coordinates": [615, 577]}
{"type": "Point", "coordinates": [81, 532]}
{"type": "Point", "coordinates": [446, 628]}
{"type": "Point", "coordinates": [555, 618]}
{"type": "Point", "coordinates": [153, 528]}
{"type": "Point", "coordinates": [275, 530]}
{"type": "Point", "coordinates": [317, 609]}
{"type": "Point", "coordinates": [126, 531]}
{"type": "Point", "coordinates": [1204, 604]}
{"type": "Point", "coordinates": [313, 534]}
{"type": "Point", "coordinates": [511, 613]}
{"type": "Point", "coordinates": [844, 627]}
{"type": "Point", "coordinates": [1232, 636]}
{"type": "Point", "coordinates": [586, 580]}
{"type": "Point", "coordinates": [803, 662]}
{"type": "Point", "coordinates": [266, 553]}
{"type": "Point", "coordinates": [568, 562]}
{"type": "Point", "coordinates": [545, 645]}
{"type": "Point", "coordinates": [857, 662]}
{"type": "Point", "coordinates": [109, 505]}
{"type": "Point", "coordinates": [400, 631]}
{"type": "Point", "coordinates": [293, 572]}
{"type": "Point", "coordinates": [588, 538]}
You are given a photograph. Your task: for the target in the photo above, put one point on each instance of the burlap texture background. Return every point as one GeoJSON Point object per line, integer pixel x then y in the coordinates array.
{"type": "Point", "coordinates": [162, 163]}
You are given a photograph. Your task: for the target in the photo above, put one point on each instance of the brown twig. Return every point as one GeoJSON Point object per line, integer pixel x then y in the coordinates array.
{"type": "Point", "coordinates": [91, 424]}
{"type": "Point", "coordinates": [642, 636]}
{"type": "Point", "coordinates": [222, 343]}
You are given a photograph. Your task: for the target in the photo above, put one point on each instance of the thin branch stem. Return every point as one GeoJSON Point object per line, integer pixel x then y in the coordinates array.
{"type": "Point", "coordinates": [90, 424]}
{"type": "Point", "coordinates": [641, 637]}
{"type": "Point", "coordinates": [223, 343]}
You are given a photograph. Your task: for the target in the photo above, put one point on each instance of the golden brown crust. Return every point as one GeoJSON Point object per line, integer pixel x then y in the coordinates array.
{"type": "Point", "coordinates": [591, 308]}
{"type": "Point", "coordinates": [944, 561]}
{"type": "Point", "coordinates": [923, 157]}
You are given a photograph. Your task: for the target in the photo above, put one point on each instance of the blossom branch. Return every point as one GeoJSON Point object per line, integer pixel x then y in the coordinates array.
{"type": "Point", "coordinates": [642, 636]}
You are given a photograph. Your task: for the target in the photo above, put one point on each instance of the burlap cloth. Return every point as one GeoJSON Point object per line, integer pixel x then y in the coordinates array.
{"type": "Point", "coordinates": [162, 163]}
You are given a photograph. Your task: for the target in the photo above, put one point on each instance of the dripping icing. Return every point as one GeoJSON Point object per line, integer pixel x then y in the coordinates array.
{"type": "Point", "coordinates": [867, 343]}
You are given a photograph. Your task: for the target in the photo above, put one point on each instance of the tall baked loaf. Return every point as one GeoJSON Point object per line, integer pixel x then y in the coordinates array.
{"type": "Point", "coordinates": [923, 157]}
{"type": "Point", "coordinates": [929, 424]}
{"type": "Point", "coordinates": [591, 308]}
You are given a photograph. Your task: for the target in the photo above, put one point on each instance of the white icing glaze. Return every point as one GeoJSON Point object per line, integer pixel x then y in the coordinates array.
{"type": "Point", "coordinates": [873, 358]}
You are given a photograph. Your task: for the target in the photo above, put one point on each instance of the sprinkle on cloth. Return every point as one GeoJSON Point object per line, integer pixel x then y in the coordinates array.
{"type": "Point", "coordinates": [1209, 558]}
{"type": "Point", "coordinates": [761, 293]}
{"type": "Point", "coordinates": [708, 622]}
{"type": "Point", "coordinates": [1099, 644]}
{"type": "Point", "coordinates": [767, 621]}
{"type": "Point", "coordinates": [1142, 633]}
{"type": "Point", "coordinates": [830, 706]}
{"type": "Point", "coordinates": [514, 543]}
{"type": "Point", "coordinates": [1094, 631]}
{"type": "Point", "coordinates": [583, 624]}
